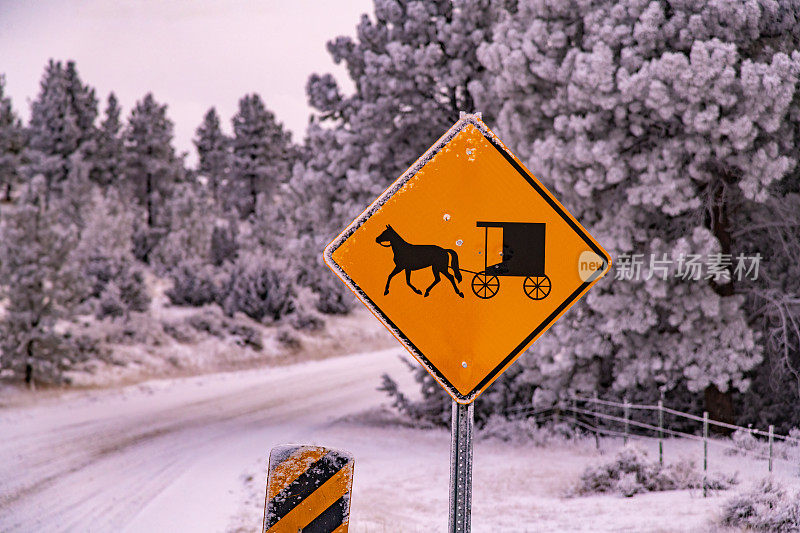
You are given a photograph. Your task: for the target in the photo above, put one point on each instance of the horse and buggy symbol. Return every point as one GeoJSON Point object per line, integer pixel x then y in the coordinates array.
{"type": "Point", "coordinates": [522, 256]}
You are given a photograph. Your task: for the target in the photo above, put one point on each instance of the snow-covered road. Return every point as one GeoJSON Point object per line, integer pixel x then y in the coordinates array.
{"type": "Point", "coordinates": [167, 455]}
{"type": "Point", "coordinates": [190, 454]}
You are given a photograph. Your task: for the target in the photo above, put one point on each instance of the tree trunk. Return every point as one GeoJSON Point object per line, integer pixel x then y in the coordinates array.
{"type": "Point", "coordinates": [29, 366]}
{"type": "Point", "coordinates": [149, 186]}
{"type": "Point", "coordinates": [720, 404]}
{"type": "Point", "coordinates": [720, 408]}
{"type": "Point", "coordinates": [253, 197]}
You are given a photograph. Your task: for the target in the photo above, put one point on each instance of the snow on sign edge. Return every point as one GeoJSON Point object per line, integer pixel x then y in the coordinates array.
{"type": "Point", "coordinates": [460, 125]}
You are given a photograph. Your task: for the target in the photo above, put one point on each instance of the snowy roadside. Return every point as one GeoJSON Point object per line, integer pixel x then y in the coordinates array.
{"type": "Point", "coordinates": [175, 341]}
{"type": "Point", "coordinates": [402, 473]}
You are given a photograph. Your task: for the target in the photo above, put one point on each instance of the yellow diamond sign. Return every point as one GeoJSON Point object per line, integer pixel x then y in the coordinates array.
{"type": "Point", "coordinates": [467, 259]}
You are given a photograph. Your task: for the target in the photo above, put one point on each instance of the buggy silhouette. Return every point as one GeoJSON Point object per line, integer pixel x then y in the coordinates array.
{"type": "Point", "coordinates": [523, 255]}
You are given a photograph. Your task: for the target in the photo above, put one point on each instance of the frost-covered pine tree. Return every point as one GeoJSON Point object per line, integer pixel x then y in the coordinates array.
{"type": "Point", "coordinates": [104, 255]}
{"type": "Point", "coordinates": [214, 155]}
{"type": "Point", "coordinates": [151, 166]}
{"type": "Point", "coordinates": [773, 307]}
{"type": "Point", "coordinates": [105, 152]}
{"type": "Point", "coordinates": [189, 217]}
{"type": "Point", "coordinates": [82, 100]}
{"type": "Point", "coordinates": [62, 120]}
{"type": "Point", "coordinates": [412, 64]}
{"type": "Point", "coordinates": [12, 144]}
{"type": "Point", "coordinates": [263, 154]}
{"type": "Point", "coordinates": [658, 123]}
{"type": "Point", "coordinates": [40, 285]}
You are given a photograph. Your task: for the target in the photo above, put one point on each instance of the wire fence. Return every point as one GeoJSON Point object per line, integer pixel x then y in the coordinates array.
{"type": "Point", "coordinates": [652, 423]}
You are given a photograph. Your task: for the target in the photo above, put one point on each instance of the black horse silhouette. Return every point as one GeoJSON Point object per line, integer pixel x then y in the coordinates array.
{"type": "Point", "coordinates": [410, 257]}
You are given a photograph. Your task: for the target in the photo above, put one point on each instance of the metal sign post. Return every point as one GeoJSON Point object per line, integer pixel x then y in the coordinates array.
{"type": "Point", "coordinates": [461, 468]}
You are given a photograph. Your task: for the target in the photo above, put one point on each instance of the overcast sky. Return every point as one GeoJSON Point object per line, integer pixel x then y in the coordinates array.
{"type": "Point", "coordinates": [190, 54]}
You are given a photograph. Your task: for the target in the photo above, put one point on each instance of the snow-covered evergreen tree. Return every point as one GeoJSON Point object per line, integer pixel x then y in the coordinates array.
{"type": "Point", "coordinates": [654, 122]}
{"type": "Point", "coordinates": [62, 120]}
{"type": "Point", "coordinates": [40, 284]}
{"type": "Point", "coordinates": [213, 150]}
{"type": "Point", "coordinates": [773, 307]}
{"type": "Point", "coordinates": [12, 144]}
{"type": "Point", "coordinates": [224, 241]}
{"type": "Point", "coordinates": [104, 256]}
{"type": "Point", "coordinates": [190, 218]}
{"type": "Point", "coordinates": [105, 152]}
{"type": "Point", "coordinates": [82, 100]}
{"type": "Point", "coordinates": [263, 154]}
{"type": "Point", "coordinates": [412, 64]}
{"type": "Point", "coordinates": [151, 166]}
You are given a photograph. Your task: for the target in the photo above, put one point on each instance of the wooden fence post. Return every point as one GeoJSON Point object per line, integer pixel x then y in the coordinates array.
{"type": "Point", "coordinates": [660, 432]}
{"type": "Point", "coordinates": [627, 415]}
{"type": "Point", "coordinates": [596, 423]}
{"type": "Point", "coordinates": [771, 433]}
{"type": "Point", "coordinates": [705, 454]}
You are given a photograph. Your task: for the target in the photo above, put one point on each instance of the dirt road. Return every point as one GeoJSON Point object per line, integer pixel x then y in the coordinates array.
{"type": "Point", "coordinates": [167, 455]}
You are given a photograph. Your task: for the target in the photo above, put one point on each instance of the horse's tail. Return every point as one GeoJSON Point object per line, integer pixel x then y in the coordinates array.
{"type": "Point", "coordinates": [454, 264]}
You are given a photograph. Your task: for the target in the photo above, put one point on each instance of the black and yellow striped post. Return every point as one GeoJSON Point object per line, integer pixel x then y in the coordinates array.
{"type": "Point", "coordinates": [308, 490]}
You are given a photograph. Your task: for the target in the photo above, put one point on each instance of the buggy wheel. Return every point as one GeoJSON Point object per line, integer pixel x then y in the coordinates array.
{"type": "Point", "coordinates": [536, 287]}
{"type": "Point", "coordinates": [485, 285]}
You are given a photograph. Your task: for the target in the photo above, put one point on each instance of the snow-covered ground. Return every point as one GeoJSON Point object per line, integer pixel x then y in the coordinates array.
{"type": "Point", "coordinates": [189, 454]}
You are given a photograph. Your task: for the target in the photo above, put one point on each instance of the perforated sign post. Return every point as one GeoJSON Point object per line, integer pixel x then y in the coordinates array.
{"type": "Point", "coordinates": [467, 259]}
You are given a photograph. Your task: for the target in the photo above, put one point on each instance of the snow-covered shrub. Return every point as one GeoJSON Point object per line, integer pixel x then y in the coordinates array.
{"type": "Point", "coordinates": [209, 320]}
{"type": "Point", "coordinates": [303, 320]}
{"type": "Point", "coordinates": [632, 471]}
{"type": "Point", "coordinates": [144, 239]}
{"type": "Point", "coordinates": [110, 303]}
{"type": "Point", "coordinates": [528, 431]}
{"type": "Point", "coordinates": [288, 339]}
{"type": "Point", "coordinates": [788, 449]}
{"type": "Point", "coordinates": [631, 461]}
{"type": "Point", "coordinates": [245, 336]}
{"type": "Point", "coordinates": [766, 507]}
{"type": "Point", "coordinates": [180, 332]}
{"type": "Point", "coordinates": [333, 297]}
{"type": "Point", "coordinates": [744, 441]}
{"type": "Point", "coordinates": [434, 408]}
{"type": "Point", "coordinates": [138, 328]}
{"type": "Point", "coordinates": [116, 286]}
{"type": "Point", "coordinates": [194, 283]}
{"type": "Point", "coordinates": [628, 485]}
{"type": "Point", "coordinates": [133, 290]}
{"type": "Point", "coordinates": [223, 244]}
{"type": "Point", "coordinates": [258, 290]}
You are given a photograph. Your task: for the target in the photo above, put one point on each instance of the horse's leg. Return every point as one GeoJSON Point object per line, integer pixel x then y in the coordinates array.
{"type": "Point", "coordinates": [449, 276]}
{"type": "Point", "coordinates": [436, 278]}
{"type": "Point", "coordinates": [408, 281]}
{"type": "Point", "coordinates": [394, 272]}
